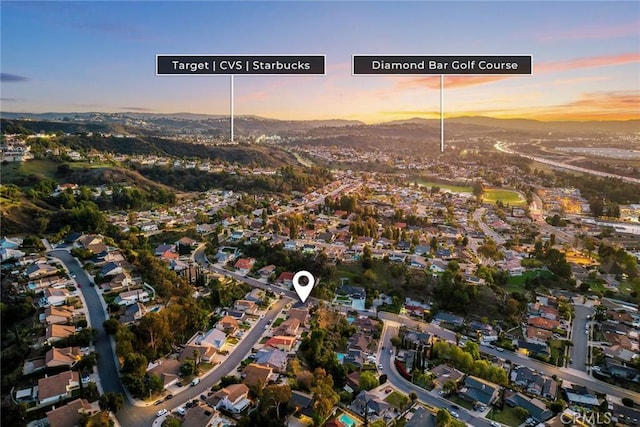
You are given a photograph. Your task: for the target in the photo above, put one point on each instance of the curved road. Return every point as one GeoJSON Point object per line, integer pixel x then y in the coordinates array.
{"type": "Point", "coordinates": [131, 415]}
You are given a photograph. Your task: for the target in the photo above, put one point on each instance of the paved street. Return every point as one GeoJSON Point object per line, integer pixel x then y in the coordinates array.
{"type": "Point", "coordinates": [579, 338]}
{"type": "Point", "coordinates": [132, 415]}
{"type": "Point", "coordinates": [109, 378]}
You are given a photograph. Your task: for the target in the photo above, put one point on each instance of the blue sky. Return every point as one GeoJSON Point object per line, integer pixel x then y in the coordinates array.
{"type": "Point", "coordinates": [100, 56]}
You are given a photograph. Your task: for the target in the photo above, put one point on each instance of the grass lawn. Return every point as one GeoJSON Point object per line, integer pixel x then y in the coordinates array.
{"type": "Point", "coordinates": [397, 400]}
{"type": "Point", "coordinates": [506, 416]}
{"type": "Point", "coordinates": [508, 197]}
{"type": "Point", "coordinates": [232, 340]}
{"type": "Point", "coordinates": [278, 322]}
{"type": "Point", "coordinates": [264, 340]}
{"type": "Point", "coordinates": [461, 402]}
{"type": "Point", "coordinates": [445, 187]}
{"type": "Point", "coordinates": [205, 367]}
{"type": "Point", "coordinates": [516, 283]}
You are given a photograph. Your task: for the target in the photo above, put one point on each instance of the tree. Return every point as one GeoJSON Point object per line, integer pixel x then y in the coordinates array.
{"type": "Point", "coordinates": [277, 394]}
{"type": "Point", "coordinates": [557, 407]}
{"type": "Point", "coordinates": [111, 402]}
{"type": "Point", "coordinates": [628, 402]}
{"type": "Point", "coordinates": [521, 413]}
{"type": "Point", "coordinates": [111, 326]}
{"type": "Point", "coordinates": [368, 381]}
{"type": "Point", "coordinates": [449, 387]}
{"type": "Point", "coordinates": [413, 396]}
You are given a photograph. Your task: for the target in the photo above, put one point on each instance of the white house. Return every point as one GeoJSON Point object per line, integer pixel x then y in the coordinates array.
{"type": "Point", "coordinates": [234, 398]}
{"type": "Point", "coordinates": [131, 297]}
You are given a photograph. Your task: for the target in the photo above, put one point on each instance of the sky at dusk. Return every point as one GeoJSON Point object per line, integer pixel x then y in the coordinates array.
{"type": "Point", "coordinates": [100, 56]}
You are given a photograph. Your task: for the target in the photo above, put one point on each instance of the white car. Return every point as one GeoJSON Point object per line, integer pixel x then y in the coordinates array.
{"type": "Point", "coordinates": [454, 414]}
{"type": "Point", "coordinates": [161, 412]}
{"type": "Point", "coordinates": [380, 366]}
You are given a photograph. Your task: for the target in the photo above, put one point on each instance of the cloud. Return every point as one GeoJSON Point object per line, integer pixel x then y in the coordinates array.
{"type": "Point", "coordinates": [12, 78]}
{"type": "Point", "coordinates": [135, 109]}
{"type": "Point", "coordinates": [588, 62]}
{"type": "Point", "coordinates": [614, 105]}
{"type": "Point", "coordinates": [433, 82]}
{"type": "Point", "coordinates": [457, 81]}
{"type": "Point", "coordinates": [589, 33]}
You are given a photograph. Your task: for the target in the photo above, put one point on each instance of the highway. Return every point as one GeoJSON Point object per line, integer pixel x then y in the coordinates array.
{"type": "Point", "coordinates": [505, 148]}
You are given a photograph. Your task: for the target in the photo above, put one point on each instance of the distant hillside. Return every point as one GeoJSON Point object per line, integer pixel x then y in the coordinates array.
{"type": "Point", "coordinates": [561, 126]}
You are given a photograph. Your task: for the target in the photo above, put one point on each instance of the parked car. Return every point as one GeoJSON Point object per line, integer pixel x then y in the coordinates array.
{"type": "Point", "coordinates": [161, 412]}
{"type": "Point", "coordinates": [157, 402]}
{"type": "Point", "coordinates": [195, 381]}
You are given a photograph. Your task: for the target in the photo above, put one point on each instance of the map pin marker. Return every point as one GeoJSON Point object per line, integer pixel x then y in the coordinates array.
{"type": "Point", "coordinates": [303, 291]}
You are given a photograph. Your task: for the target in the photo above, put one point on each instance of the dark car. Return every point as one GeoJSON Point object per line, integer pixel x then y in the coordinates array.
{"type": "Point", "coordinates": [203, 397]}
{"type": "Point", "coordinates": [92, 284]}
{"type": "Point", "coordinates": [157, 402]}
{"type": "Point", "coordinates": [455, 407]}
{"type": "Point", "coordinates": [169, 396]}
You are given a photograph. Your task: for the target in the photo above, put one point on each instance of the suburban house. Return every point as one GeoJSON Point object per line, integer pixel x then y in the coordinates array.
{"type": "Point", "coordinates": [256, 295]}
{"type": "Point", "coordinates": [479, 391]}
{"type": "Point", "coordinates": [39, 270]}
{"type": "Point", "coordinates": [67, 356]}
{"type": "Point", "coordinates": [444, 373]}
{"type": "Point", "coordinates": [56, 297]}
{"type": "Point", "coordinates": [288, 327]}
{"type": "Point", "coordinates": [286, 278]}
{"type": "Point", "coordinates": [536, 408]}
{"type": "Point", "coordinates": [131, 297]}
{"type": "Point", "coordinates": [215, 338]}
{"type": "Point", "coordinates": [273, 358]}
{"type": "Point", "coordinates": [57, 315]}
{"type": "Point", "coordinates": [168, 370]}
{"type": "Point", "coordinates": [375, 407]}
{"type": "Point", "coordinates": [57, 332]}
{"type": "Point", "coordinates": [302, 314]}
{"type": "Point", "coordinates": [110, 269]}
{"type": "Point", "coordinates": [244, 265]}
{"type": "Point", "coordinates": [228, 324]}
{"type": "Point", "coordinates": [249, 307]}
{"type": "Point", "coordinates": [257, 375]}
{"type": "Point", "coordinates": [267, 270]}
{"type": "Point", "coordinates": [133, 313]}
{"type": "Point", "coordinates": [201, 415]}
{"type": "Point", "coordinates": [52, 389]}
{"type": "Point", "coordinates": [204, 352]}
{"type": "Point", "coordinates": [233, 398]}
{"type": "Point", "coordinates": [71, 414]}
{"type": "Point", "coordinates": [281, 342]}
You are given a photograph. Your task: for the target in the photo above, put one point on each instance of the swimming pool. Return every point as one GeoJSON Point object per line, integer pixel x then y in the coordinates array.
{"type": "Point", "coordinates": [340, 357]}
{"type": "Point", "coordinates": [347, 420]}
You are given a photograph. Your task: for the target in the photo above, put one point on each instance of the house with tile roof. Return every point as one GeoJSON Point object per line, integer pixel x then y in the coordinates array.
{"type": "Point", "coordinates": [257, 375]}
{"type": "Point", "coordinates": [52, 389]}
{"type": "Point", "coordinates": [71, 414]}
{"type": "Point", "coordinates": [57, 332]}
{"type": "Point", "coordinates": [228, 324]}
{"type": "Point", "coordinates": [67, 356]}
{"type": "Point", "coordinates": [57, 315]}
{"type": "Point", "coordinates": [281, 342]}
{"type": "Point", "coordinates": [168, 370]}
